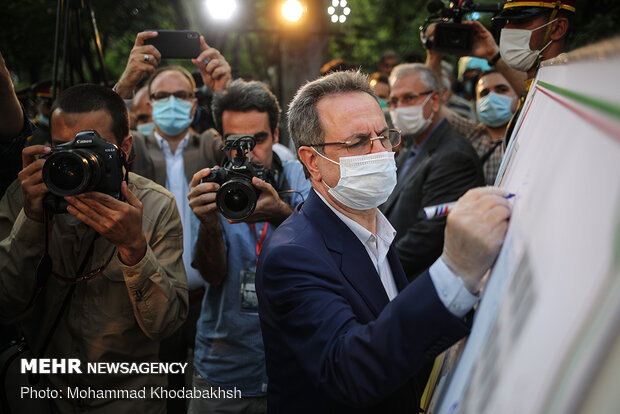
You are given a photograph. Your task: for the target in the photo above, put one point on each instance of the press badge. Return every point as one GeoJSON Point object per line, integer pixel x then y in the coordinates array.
{"type": "Point", "coordinates": [249, 300]}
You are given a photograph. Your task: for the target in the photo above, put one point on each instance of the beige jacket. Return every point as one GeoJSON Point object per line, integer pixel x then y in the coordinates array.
{"type": "Point", "coordinates": [121, 315]}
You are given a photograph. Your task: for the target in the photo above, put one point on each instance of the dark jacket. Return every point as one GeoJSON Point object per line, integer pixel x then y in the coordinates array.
{"type": "Point", "coordinates": [334, 343]}
{"type": "Point", "coordinates": [446, 167]}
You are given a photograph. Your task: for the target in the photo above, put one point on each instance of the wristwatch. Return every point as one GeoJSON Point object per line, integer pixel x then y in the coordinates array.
{"type": "Point", "coordinates": [494, 59]}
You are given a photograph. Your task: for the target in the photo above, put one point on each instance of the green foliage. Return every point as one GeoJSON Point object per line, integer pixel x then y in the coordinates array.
{"type": "Point", "coordinates": [595, 20]}
{"type": "Point", "coordinates": [27, 37]}
{"type": "Point", "coordinates": [379, 25]}
{"type": "Point", "coordinates": [251, 45]}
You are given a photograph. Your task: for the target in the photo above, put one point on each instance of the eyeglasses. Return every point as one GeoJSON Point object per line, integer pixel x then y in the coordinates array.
{"type": "Point", "coordinates": [407, 99]}
{"type": "Point", "coordinates": [185, 95]}
{"type": "Point", "coordinates": [361, 145]}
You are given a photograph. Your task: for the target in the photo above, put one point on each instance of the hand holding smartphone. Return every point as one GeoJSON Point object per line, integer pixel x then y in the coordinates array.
{"type": "Point", "coordinates": [176, 44]}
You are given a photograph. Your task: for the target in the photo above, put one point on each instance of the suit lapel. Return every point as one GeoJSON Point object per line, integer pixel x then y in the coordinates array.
{"type": "Point", "coordinates": [397, 269]}
{"type": "Point", "coordinates": [159, 160]}
{"type": "Point", "coordinates": [355, 263]}
{"type": "Point", "coordinates": [191, 158]}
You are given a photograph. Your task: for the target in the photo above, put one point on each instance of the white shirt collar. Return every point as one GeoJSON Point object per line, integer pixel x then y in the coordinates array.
{"type": "Point", "coordinates": [164, 144]}
{"type": "Point", "coordinates": [385, 231]}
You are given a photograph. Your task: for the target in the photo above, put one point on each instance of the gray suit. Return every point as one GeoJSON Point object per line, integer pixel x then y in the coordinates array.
{"type": "Point", "coordinates": [201, 151]}
{"type": "Point", "coordinates": [446, 167]}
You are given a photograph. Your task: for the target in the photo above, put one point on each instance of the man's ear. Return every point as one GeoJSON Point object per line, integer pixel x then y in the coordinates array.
{"type": "Point", "coordinates": [560, 28]}
{"type": "Point", "coordinates": [436, 101]}
{"type": "Point", "coordinates": [308, 158]}
{"type": "Point", "coordinates": [127, 144]}
{"type": "Point", "coordinates": [194, 108]}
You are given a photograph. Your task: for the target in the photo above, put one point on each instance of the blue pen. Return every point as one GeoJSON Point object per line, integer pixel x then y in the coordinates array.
{"type": "Point", "coordinates": [442, 210]}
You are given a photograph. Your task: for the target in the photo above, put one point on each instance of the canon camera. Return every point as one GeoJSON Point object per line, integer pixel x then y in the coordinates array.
{"type": "Point", "coordinates": [88, 163]}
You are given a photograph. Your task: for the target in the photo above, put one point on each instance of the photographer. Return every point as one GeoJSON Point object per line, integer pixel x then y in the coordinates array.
{"type": "Point", "coordinates": [229, 347]}
{"type": "Point", "coordinates": [104, 282]}
{"type": "Point", "coordinates": [467, 38]}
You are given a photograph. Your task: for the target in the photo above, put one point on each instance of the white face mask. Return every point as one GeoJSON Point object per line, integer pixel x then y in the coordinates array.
{"type": "Point", "coordinates": [514, 46]}
{"type": "Point", "coordinates": [366, 181]}
{"type": "Point", "coordinates": [410, 119]}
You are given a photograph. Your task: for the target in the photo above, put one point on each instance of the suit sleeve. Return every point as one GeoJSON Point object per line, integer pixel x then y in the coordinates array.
{"type": "Point", "coordinates": [446, 181]}
{"type": "Point", "coordinates": [304, 311]}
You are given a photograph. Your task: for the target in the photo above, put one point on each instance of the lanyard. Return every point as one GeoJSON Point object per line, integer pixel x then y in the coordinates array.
{"type": "Point", "coordinates": [259, 243]}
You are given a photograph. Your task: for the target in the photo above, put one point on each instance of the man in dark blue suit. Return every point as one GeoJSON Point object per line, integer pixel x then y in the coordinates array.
{"type": "Point", "coordinates": [343, 332]}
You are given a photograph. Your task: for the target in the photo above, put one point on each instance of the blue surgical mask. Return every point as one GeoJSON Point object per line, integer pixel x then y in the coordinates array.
{"type": "Point", "coordinates": [145, 128]}
{"type": "Point", "coordinates": [172, 115]}
{"type": "Point", "coordinates": [382, 103]}
{"type": "Point", "coordinates": [494, 109]}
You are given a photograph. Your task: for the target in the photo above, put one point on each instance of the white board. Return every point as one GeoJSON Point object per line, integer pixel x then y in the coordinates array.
{"type": "Point", "coordinates": [550, 314]}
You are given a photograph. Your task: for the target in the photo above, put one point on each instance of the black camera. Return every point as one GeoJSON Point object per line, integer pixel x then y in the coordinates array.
{"type": "Point", "coordinates": [236, 198]}
{"type": "Point", "coordinates": [452, 36]}
{"type": "Point", "coordinates": [88, 163]}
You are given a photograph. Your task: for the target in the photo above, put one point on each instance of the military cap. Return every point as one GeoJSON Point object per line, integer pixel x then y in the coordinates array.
{"type": "Point", "coordinates": [523, 9]}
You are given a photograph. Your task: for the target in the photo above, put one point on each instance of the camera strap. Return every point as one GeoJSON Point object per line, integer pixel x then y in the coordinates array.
{"type": "Point", "coordinates": [126, 164]}
{"type": "Point", "coordinates": [43, 271]}
{"type": "Point", "coordinates": [277, 170]}
{"type": "Point", "coordinates": [490, 151]}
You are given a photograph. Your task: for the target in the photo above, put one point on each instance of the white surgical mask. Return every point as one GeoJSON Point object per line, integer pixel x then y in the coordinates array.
{"type": "Point", "coordinates": [366, 181]}
{"type": "Point", "coordinates": [514, 46]}
{"type": "Point", "coordinates": [410, 119]}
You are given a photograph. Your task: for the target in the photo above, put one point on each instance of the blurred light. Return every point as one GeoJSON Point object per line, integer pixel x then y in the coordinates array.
{"type": "Point", "coordinates": [221, 10]}
{"type": "Point", "coordinates": [292, 10]}
{"type": "Point", "coordinates": [338, 11]}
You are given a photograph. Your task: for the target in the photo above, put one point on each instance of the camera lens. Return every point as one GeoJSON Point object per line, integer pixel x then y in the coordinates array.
{"type": "Point", "coordinates": [236, 199]}
{"type": "Point", "coordinates": [71, 172]}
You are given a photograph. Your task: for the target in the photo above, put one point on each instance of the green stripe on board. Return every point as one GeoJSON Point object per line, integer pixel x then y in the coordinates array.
{"type": "Point", "coordinates": [607, 107]}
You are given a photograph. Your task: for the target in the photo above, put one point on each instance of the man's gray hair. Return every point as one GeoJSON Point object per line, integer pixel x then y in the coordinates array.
{"type": "Point", "coordinates": [304, 124]}
{"type": "Point", "coordinates": [426, 74]}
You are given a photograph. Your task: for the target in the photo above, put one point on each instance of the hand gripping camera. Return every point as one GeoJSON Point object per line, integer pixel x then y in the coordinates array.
{"type": "Point", "coordinates": [88, 163]}
{"type": "Point", "coordinates": [236, 198]}
{"type": "Point", "coordinates": [451, 36]}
